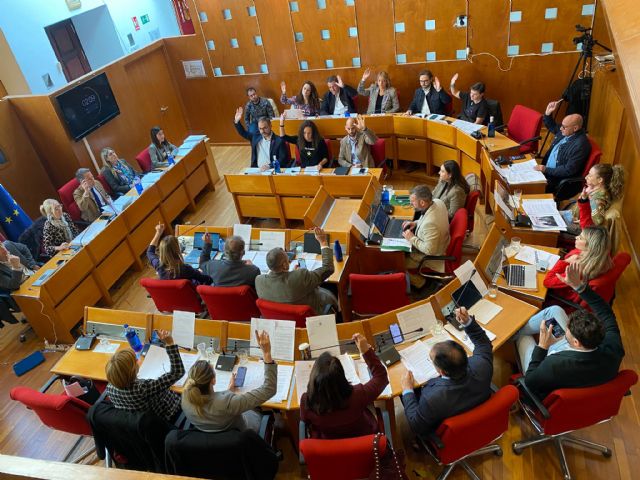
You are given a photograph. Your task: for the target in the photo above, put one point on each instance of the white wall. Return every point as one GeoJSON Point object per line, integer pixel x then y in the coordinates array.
{"type": "Point", "coordinates": [98, 37]}
{"type": "Point", "coordinates": [23, 22]}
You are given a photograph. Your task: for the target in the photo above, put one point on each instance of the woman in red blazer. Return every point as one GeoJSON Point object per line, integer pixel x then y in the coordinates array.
{"type": "Point", "coordinates": [593, 253]}
{"type": "Point", "coordinates": [332, 407]}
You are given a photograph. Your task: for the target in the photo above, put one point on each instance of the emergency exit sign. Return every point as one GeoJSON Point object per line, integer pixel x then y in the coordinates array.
{"type": "Point", "coordinates": [144, 19]}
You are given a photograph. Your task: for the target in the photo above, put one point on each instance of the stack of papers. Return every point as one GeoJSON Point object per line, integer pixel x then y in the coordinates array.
{"type": "Point", "coordinates": [522, 172]}
{"type": "Point", "coordinates": [416, 359]}
{"type": "Point", "coordinates": [467, 127]}
{"type": "Point", "coordinates": [528, 255]}
{"type": "Point", "coordinates": [544, 215]}
{"type": "Point", "coordinates": [394, 244]}
{"type": "Point", "coordinates": [150, 178]}
{"type": "Point", "coordinates": [255, 378]}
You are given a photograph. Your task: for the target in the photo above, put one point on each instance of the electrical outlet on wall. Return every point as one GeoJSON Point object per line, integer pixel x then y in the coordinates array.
{"type": "Point", "coordinates": [460, 21]}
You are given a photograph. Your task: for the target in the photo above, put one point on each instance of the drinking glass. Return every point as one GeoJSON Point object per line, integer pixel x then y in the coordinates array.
{"type": "Point", "coordinates": [493, 290]}
{"type": "Point", "coordinates": [515, 244]}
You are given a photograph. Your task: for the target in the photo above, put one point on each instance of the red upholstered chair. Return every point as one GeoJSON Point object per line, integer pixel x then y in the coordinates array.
{"type": "Point", "coordinates": [568, 409]}
{"type": "Point", "coordinates": [524, 123]}
{"type": "Point", "coordinates": [104, 183]}
{"type": "Point", "coordinates": [284, 311]}
{"type": "Point", "coordinates": [343, 459]}
{"type": "Point", "coordinates": [144, 160]}
{"type": "Point", "coordinates": [170, 295]}
{"type": "Point", "coordinates": [66, 197]}
{"type": "Point", "coordinates": [470, 207]}
{"type": "Point", "coordinates": [59, 412]}
{"type": "Point", "coordinates": [570, 187]}
{"type": "Point", "coordinates": [236, 304]}
{"type": "Point", "coordinates": [379, 154]}
{"type": "Point", "coordinates": [453, 255]}
{"type": "Point", "coordinates": [376, 294]}
{"type": "Point", "coordinates": [472, 433]}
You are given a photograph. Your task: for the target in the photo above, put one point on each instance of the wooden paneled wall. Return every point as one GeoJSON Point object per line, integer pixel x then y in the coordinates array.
{"type": "Point", "coordinates": [531, 80]}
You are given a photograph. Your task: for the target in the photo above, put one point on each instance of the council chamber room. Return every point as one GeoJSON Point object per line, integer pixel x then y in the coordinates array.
{"type": "Point", "coordinates": [326, 239]}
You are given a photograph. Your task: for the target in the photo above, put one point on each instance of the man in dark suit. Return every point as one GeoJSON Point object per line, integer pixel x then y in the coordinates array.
{"type": "Point", "coordinates": [265, 145]}
{"type": "Point", "coordinates": [339, 99]}
{"type": "Point", "coordinates": [300, 286]}
{"type": "Point", "coordinates": [231, 271]}
{"type": "Point", "coordinates": [569, 150]}
{"type": "Point", "coordinates": [463, 383]}
{"type": "Point", "coordinates": [430, 89]}
{"type": "Point", "coordinates": [594, 351]}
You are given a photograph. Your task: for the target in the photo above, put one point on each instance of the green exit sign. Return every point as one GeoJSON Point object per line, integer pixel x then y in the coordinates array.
{"type": "Point", "coordinates": [144, 19]}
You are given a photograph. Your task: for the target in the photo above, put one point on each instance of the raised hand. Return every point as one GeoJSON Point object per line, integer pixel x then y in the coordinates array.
{"type": "Point", "coordinates": [14, 261]}
{"type": "Point", "coordinates": [552, 106]}
{"type": "Point", "coordinates": [85, 185]}
{"type": "Point", "coordinates": [238, 115]}
{"type": "Point", "coordinates": [321, 237]}
{"type": "Point", "coordinates": [339, 81]}
{"type": "Point", "coordinates": [462, 316]}
{"type": "Point", "coordinates": [573, 275]}
{"type": "Point", "coordinates": [159, 228]}
{"type": "Point", "coordinates": [436, 84]}
{"type": "Point", "coordinates": [454, 79]}
{"type": "Point", "coordinates": [360, 123]}
{"type": "Point", "coordinates": [283, 116]}
{"type": "Point", "coordinates": [366, 74]}
{"type": "Point", "coordinates": [361, 343]}
{"type": "Point", "coordinates": [283, 87]}
{"type": "Point", "coordinates": [165, 336]}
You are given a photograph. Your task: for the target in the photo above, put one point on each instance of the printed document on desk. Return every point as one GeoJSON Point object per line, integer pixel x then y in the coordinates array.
{"type": "Point", "coordinates": [323, 334]}
{"type": "Point", "coordinates": [365, 375]}
{"type": "Point", "coordinates": [395, 244]}
{"type": "Point", "coordinates": [243, 230]}
{"type": "Point", "coordinates": [527, 254]}
{"type": "Point", "coordinates": [544, 214]}
{"type": "Point", "coordinates": [285, 374]}
{"type": "Point", "coordinates": [282, 334]}
{"type": "Point", "coordinates": [255, 378]}
{"type": "Point", "coordinates": [183, 328]}
{"type": "Point", "coordinates": [523, 172]}
{"type": "Point", "coordinates": [303, 372]}
{"type": "Point", "coordinates": [464, 338]}
{"type": "Point", "coordinates": [416, 359]}
{"type": "Point", "coordinates": [411, 320]}
{"type": "Point", "coordinates": [485, 310]}
{"type": "Point", "coordinates": [467, 127]}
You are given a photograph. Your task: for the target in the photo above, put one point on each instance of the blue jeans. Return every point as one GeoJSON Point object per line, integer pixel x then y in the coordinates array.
{"type": "Point", "coordinates": [524, 338]}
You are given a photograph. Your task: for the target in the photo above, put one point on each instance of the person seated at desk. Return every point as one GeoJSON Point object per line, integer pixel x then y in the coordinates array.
{"type": "Point", "coordinates": [569, 150]}
{"type": "Point", "coordinates": [12, 269]}
{"type": "Point", "coordinates": [339, 99]}
{"type": "Point", "coordinates": [383, 98]}
{"type": "Point", "coordinates": [312, 148]}
{"type": "Point", "coordinates": [90, 196]}
{"type": "Point", "coordinates": [604, 186]}
{"type": "Point", "coordinates": [592, 254]}
{"type": "Point", "coordinates": [332, 407]}
{"type": "Point", "coordinates": [430, 97]}
{"type": "Point", "coordinates": [231, 271]}
{"type": "Point", "coordinates": [168, 262]}
{"type": "Point", "coordinates": [212, 411]}
{"type": "Point", "coordinates": [429, 235]}
{"type": "Point", "coordinates": [355, 148]}
{"type": "Point", "coordinates": [588, 354]}
{"type": "Point", "coordinates": [128, 392]}
{"type": "Point", "coordinates": [300, 286]}
{"type": "Point", "coordinates": [58, 230]}
{"type": "Point", "coordinates": [475, 108]}
{"type": "Point", "coordinates": [265, 145]}
{"type": "Point", "coordinates": [452, 188]}
{"type": "Point", "coordinates": [463, 383]}
{"type": "Point", "coordinates": [255, 109]}
{"type": "Point", "coordinates": [160, 148]}
{"type": "Point", "coordinates": [117, 172]}
{"type": "Point", "coordinates": [307, 100]}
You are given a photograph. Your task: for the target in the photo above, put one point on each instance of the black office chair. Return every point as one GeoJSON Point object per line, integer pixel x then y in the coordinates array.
{"type": "Point", "coordinates": [496, 112]}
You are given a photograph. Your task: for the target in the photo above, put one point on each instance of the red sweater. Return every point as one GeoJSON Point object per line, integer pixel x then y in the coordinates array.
{"type": "Point", "coordinates": [355, 419]}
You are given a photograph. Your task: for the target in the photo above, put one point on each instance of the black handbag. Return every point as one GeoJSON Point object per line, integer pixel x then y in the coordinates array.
{"type": "Point", "coordinates": [391, 466]}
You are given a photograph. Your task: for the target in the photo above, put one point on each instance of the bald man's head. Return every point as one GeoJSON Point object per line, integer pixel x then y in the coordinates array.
{"type": "Point", "coordinates": [571, 124]}
{"type": "Point", "coordinates": [350, 127]}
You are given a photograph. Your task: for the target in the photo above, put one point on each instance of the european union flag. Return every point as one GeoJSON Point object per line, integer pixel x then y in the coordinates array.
{"type": "Point", "coordinates": [13, 219]}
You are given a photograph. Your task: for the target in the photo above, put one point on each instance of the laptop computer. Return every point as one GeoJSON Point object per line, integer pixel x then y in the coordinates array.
{"type": "Point", "coordinates": [517, 276]}
{"type": "Point", "coordinates": [193, 257]}
{"type": "Point", "coordinates": [387, 226]}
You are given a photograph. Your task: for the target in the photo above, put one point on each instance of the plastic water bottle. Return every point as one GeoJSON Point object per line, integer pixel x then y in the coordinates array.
{"type": "Point", "coordinates": [133, 339]}
{"type": "Point", "coordinates": [347, 114]}
{"type": "Point", "coordinates": [276, 165]}
{"type": "Point", "coordinates": [221, 245]}
{"type": "Point", "coordinates": [491, 128]}
{"type": "Point", "coordinates": [384, 198]}
{"type": "Point", "coordinates": [138, 184]}
{"type": "Point", "coordinates": [170, 159]}
{"type": "Point", "coordinates": [337, 251]}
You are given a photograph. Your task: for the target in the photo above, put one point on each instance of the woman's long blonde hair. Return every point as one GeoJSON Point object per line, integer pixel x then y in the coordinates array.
{"type": "Point", "coordinates": [122, 369]}
{"type": "Point", "coordinates": [596, 259]}
{"type": "Point", "coordinates": [170, 256]}
{"type": "Point", "coordinates": [198, 385]}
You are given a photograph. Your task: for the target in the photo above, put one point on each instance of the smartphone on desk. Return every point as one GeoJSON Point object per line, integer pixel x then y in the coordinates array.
{"type": "Point", "coordinates": [557, 331]}
{"type": "Point", "coordinates": [396, 333]}
{"type": "Point", "coordinates": [240, 376]}
{"type": "Point", "coordinates": [302, 263]}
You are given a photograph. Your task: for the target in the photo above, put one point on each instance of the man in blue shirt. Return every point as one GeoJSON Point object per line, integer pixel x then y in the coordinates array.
{"type": "Point", "coordinates": [569, 150]}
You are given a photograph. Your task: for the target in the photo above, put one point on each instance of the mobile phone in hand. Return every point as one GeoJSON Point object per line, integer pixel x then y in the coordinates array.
{"type": "Point", "coordinates": [557, 331]}
{"type": "Point", "coordinates": [396, 333]}
{"type": "Point", "coordinates": [302, 263]}
{"type": "Point", "coordinates": [240, 376]}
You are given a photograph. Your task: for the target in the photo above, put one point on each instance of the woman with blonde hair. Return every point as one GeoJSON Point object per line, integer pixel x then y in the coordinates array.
{"type": "Point", "coordinates": [216, 410]}
{"type": "Point", "coordinates": [58, 230]}
{"type": "Point", "coordinates": [592, 254]}
{"type": "Point", "coordinates": [128, 392]}
{"type": "Point", "coordinates": [383, 98]}
{"type": "Point", "coordinates": [166, 259]}
{"type": "Point", "coordinates": [117, 172]}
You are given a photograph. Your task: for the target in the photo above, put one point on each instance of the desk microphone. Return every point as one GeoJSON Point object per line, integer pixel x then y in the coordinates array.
{"type": "Point", "coordinates": [349, 342]}
{"type": "Point", "coordinates": [190, 229]}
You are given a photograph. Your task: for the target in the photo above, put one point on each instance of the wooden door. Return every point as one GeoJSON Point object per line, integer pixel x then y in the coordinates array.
{"type": "Point", "coordinates": [68, 49]}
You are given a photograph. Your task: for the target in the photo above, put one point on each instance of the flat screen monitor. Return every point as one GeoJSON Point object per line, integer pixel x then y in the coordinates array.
{"type": "Point", "coordinates": [88, 106]}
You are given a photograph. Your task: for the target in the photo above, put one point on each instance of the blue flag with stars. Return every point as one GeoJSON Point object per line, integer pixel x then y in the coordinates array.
{"type": "Point", "coordinates": [13, 219]}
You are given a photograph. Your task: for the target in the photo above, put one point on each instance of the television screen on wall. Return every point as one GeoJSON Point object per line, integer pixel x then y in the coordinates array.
{"type": "Point", "coordinates": [88, 106]}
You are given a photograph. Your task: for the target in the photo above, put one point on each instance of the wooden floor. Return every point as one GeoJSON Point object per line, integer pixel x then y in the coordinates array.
{"type": "Point", "coordinates": [22, 434]}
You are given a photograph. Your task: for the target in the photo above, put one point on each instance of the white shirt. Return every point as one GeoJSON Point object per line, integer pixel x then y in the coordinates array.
{"type": "Point", "coordinates": [339, 108]}
{"type": "Point", "coordinates": [425, 104]}
{"type": "Point", "coordinates": [263, 151]}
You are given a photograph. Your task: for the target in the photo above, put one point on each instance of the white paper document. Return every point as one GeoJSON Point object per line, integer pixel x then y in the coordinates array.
{"type": "Point", "coordinates": [523, 172]}
{"type": "Point", "coordinates": [285, 374]}
{"type": "Point", "coordinates": [292, 171]}
{"type": "Point", "coordinates": [282, 334]}
{"type": "Point", "coordinates": [120, 203]}
{"type": "Point", "coordinates": [323, 334]}
{"type": "Point", "coordinates": [395, 244]}
{"type": "Point", "coordinates": [467, 127]}
{"type": "Point", "coordinates": [303, 372]}
{"type": "Point", "coordinates": [252, 171]}
{"type": "Point", "coordinates": [416, 359]}
{"type": "Point", "coordinates": [528, 254]}
{"type": "Point", "coordinates": [269, 240]}
{"type": "Point", "coordinates": [259, 259]}
{"type": "Point", "coordinates": [411, 320]}
{"type": "Point", "coordinates": [464, 271]}
{"type": "Point", "coordinates": [109, 348]}
{"type": "Point", "coordinates": [156, 363]}
{"type": "Point", "coordinates": [349, 366]}
{"type": "Point", "coordinates": [89, 233]}
{"type": "Point", "coordinates": [358, 171]}
{"type": "Point", "coordinates": [365, 376]}
{"type": "Point", "coordinates": [183, 328]}
{"type": "Point", "coordinates": [485, 310]}
{"type": "Point", "coordinates": [360, 224]}
{"type": "Point", "coordinates": [464, 338]}
{"type": "Point", "coordinates": [503, 201]}
{"type": "Point", "coordinates": [244, 231]}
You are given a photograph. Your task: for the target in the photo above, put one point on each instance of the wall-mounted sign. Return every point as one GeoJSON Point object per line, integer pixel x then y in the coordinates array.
{"type": "Point", "coordinates": [194, 69]}
{"type": "Point", "coordinates": [136, 25]}
{"type": "Point", "coordinates": [144, 19]}
{"type": "Point", "coordinates": [74, 4]}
